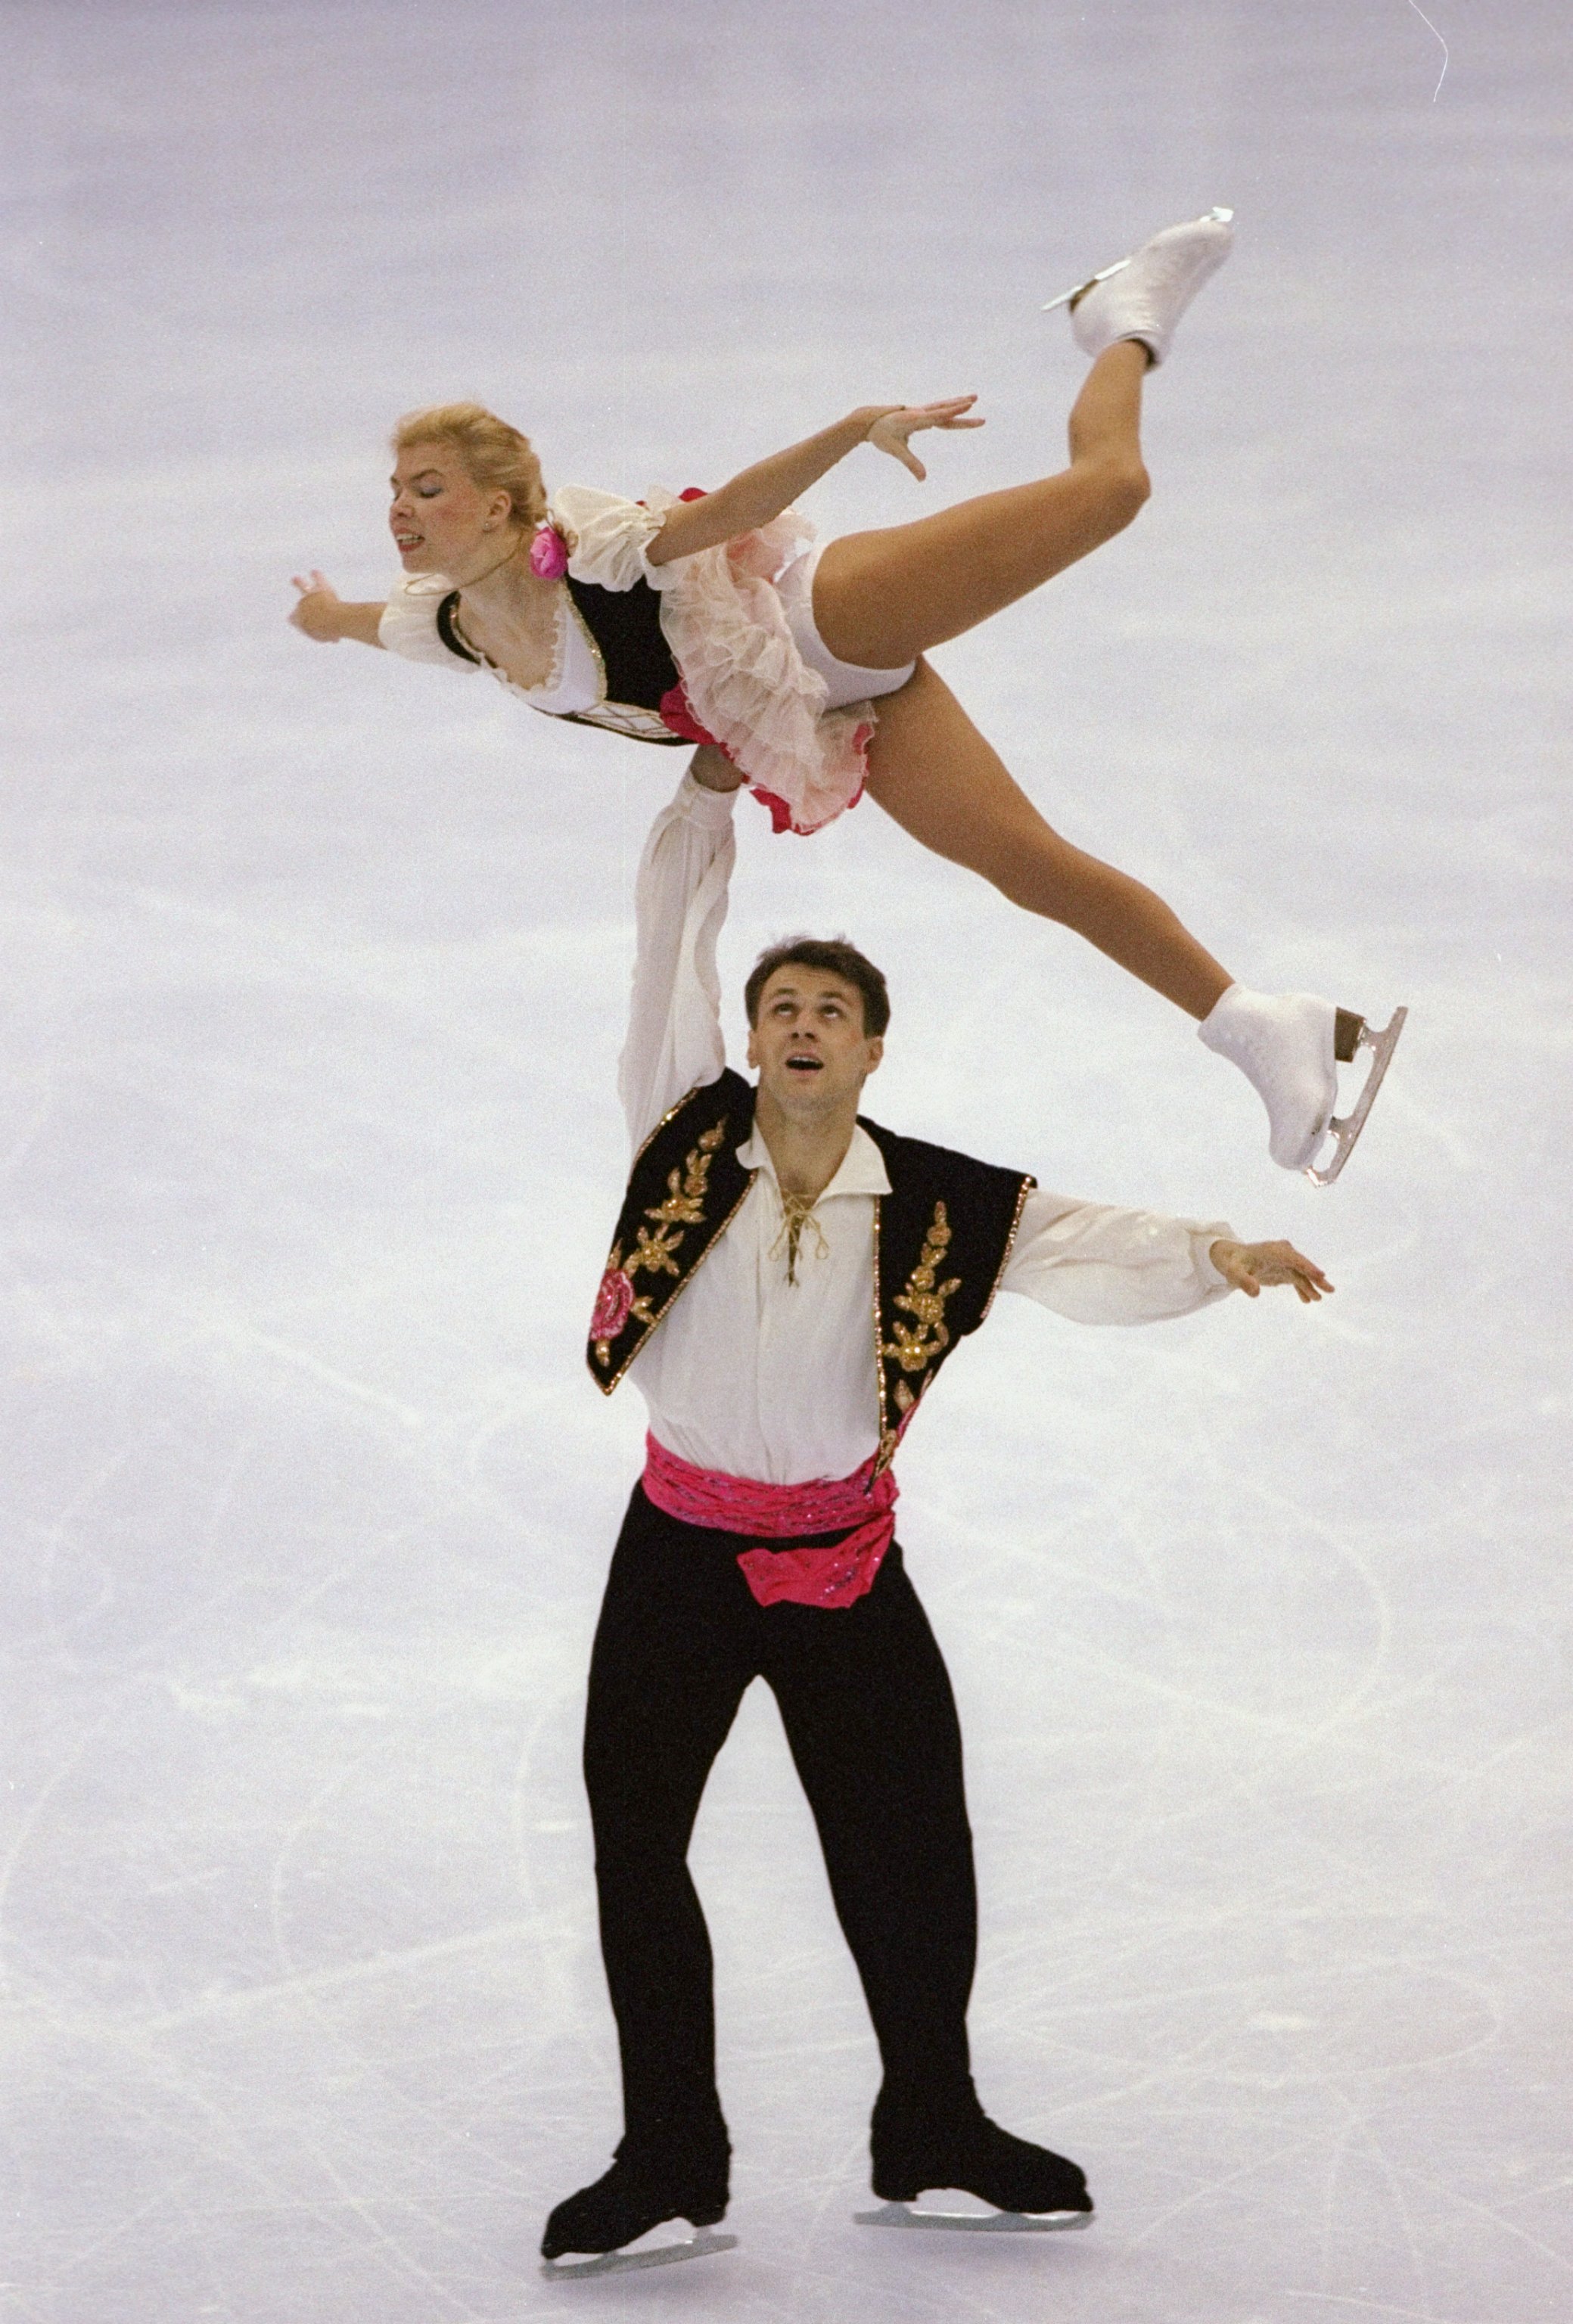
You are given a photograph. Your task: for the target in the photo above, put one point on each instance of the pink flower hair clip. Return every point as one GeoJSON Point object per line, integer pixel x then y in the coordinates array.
{"type": "Point", "coordinates": [548, 553]}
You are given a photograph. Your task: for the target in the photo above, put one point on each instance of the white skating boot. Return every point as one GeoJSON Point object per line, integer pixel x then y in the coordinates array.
{"type": "Point", "coordinates": [1290, 1045]}
{"type": "Point", "coordinates": [1283, 1042]}
{"type": "Point", "coordinates": [1143, 297]}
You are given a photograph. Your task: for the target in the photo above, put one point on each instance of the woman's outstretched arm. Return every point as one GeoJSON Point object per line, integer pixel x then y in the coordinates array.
{"type": "Point", "coordinates": [323, 614]}
{"type": "Point", "coordinates": [757, 495]}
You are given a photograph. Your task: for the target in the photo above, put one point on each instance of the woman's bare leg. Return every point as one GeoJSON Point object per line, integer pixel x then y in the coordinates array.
{"type": "Point", "coordinates": [932, 770]}
{"type": "Point", "coordinates": [882, 598]}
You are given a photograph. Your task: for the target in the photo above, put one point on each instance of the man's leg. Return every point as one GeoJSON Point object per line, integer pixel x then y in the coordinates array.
{"type": "Point", "coordinates": [866, 1702]}
{"type": "Point", "coordinates": [871, 1720]}
{"type": "Point", "coordinates": [669, 1668]}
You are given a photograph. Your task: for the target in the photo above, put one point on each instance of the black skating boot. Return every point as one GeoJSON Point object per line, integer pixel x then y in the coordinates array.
{"type": "Point", "coordinates": [970, 2151]}
{"type": "Point", "coordinates": [642, 2191]}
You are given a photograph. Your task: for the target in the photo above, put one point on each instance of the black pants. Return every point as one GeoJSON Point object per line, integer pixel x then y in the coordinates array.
{"type": "Point", "coordinates": [871, 1721]}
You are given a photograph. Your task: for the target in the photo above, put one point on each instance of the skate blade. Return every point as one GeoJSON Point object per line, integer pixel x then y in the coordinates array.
{"type": "Point", "coordinates": [1213, 216]}
{"type": "Point", "coordinates": [621, 2262]}
{"type": "Point", "coordinates": [1346, 1132]}
{"type": "Point", "coordinates": [974, 2223]}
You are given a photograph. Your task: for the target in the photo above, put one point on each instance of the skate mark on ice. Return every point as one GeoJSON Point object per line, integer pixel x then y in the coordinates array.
{"type": "Point", "coordinates": [305, 1987]}
{"type": "Point", "coordinates": [551, 1976]}
{"type": "Point", "coordinates": [1358, 2127]}
{"type": "Point", "coordinates": [1368, 2307]}
{"type": "Point", "coordinates": [1356, 1699]}
{"type": "Point", "coordinates": [161, 2199]}
{"type": "Point", "coordinates": [56, 1537]}
{"type": "Point", "coordinates": [1449, 2199]}
{"type": "Point", "coordinates": [1239, 1714]}
{"type": "Point", "coordinates": [242, 1335]}
{"type": "Point", "coordinates": [306, 1983]}
{"type": "Point", "coordinates": [1283, 2153]}
{"type": "Point", "coordinates": [222, 2137]}
{"type": "Point", "coordinates": [1430, 28]}
{"type": "Point", "coordinates": [30, 1819]}
{"type": "Point", "coordinates": [28, 1134]}
{"type": "Point", "coordinates": [383, 2238]}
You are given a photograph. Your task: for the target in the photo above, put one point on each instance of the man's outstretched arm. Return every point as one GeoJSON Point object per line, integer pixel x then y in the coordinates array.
{"type": "Point", "coordinates": [1097, 1264]}
{"type": "Point", "coordinates": [679, 901]}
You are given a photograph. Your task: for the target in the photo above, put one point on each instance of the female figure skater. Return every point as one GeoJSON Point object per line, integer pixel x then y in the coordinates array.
{"type": "Point", "coordinates": [712, 618]}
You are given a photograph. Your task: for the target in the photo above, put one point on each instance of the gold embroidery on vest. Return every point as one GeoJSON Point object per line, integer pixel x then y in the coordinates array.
{"type": "Point", "coordinates": [688, 1187]}
{"type": "Point", "coordinates": [653, 1252]}
{"type": "Point", "coordinates": [916, 1344]}
{"type": "Point", "coordinates": [686, 1193]}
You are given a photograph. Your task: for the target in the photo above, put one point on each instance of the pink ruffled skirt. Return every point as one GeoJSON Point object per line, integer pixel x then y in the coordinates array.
{"type": "Point", "coordinates": [758, 681]}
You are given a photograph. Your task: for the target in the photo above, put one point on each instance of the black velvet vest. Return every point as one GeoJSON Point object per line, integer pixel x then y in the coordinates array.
{"type": "Point", "coordinates": [622, 628]}
{"type": "Point", "coordinates": [941, 1238]}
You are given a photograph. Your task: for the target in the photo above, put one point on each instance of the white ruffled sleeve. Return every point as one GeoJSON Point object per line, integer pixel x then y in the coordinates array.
{"type": "Point", "coordinates": [611, 536]}
{"type": "Point", "coordinates": [680, 903]}
{"type": "Point", "coordinates": [1099, 1265]}
{"type": "Point", "coordinates": [408, 622]}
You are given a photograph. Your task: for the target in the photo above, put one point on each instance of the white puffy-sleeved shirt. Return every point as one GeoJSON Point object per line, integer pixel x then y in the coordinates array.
{"type": "Point", "coordinates": [760, 1376]}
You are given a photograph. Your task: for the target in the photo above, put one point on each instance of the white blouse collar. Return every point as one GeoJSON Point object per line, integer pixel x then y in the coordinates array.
{"type": "Point", "coordinates": [862, 1170]}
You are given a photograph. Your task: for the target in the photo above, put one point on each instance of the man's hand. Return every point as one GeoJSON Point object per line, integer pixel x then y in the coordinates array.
{"type": "Point", "coordinates": [888, 432]}
{"type": "Point", "coordinates": [1255, 1267]}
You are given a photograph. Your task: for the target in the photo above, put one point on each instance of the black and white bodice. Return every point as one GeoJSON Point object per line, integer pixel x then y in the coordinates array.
{"type": "Point", "coordinates": [612, 665]}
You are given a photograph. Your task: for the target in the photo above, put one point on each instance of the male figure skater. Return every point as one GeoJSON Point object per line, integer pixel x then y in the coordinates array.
{"type": "Point", "coordinates": [785, 1283]}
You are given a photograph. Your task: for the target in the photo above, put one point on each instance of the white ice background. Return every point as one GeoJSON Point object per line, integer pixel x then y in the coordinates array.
{"type": "Point", "coordinates": [314, 971]}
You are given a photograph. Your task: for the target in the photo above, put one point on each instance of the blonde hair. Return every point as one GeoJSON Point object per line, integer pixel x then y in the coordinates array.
{"type": "Point", "coordinates": [496, 457]}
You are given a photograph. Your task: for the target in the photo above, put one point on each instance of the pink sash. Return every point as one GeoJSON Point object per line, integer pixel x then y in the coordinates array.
{"type": "Point", "coordinates": [837, 1575]}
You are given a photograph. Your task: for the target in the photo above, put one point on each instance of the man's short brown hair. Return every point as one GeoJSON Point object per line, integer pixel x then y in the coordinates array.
{"type": "Point", "coordinates": [836, 957]}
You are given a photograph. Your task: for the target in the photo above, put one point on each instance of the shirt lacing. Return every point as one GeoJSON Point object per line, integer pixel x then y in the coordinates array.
{"type": "Point", "coordinates": [796, 1214]}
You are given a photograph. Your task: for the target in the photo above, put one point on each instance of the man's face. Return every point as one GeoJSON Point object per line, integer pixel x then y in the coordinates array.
{"type": "Point", "coordinates": [808, 1044]}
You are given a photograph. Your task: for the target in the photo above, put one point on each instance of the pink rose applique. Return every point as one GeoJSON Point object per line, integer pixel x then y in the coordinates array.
{"type": "Point", "coordinates": [613, 1304]}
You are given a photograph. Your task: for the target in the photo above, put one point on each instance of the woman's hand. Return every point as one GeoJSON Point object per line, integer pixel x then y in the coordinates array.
{"type": "Point", "coordinates": [713, 771]}
{"type": "Point", "coordinates": [1255, 1267]}
{"type": "Point", "coordinates": [314, 611]}
{"type": "Point", "coordinates": [757, 496]}
{"type": "Point", "coordinates": [320, 612]}
{"type": "Point", "coordinates": [888, 430]}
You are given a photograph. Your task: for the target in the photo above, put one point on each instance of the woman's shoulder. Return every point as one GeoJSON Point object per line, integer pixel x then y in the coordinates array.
{"type": "Point", "coordinates": [410, 622]}
{"type": "Point", "coordinates": [608, 534]}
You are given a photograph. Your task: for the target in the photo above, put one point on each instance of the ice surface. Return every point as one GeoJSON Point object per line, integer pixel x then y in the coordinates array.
{"type": "Point", "coordinates": [314, 966]}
